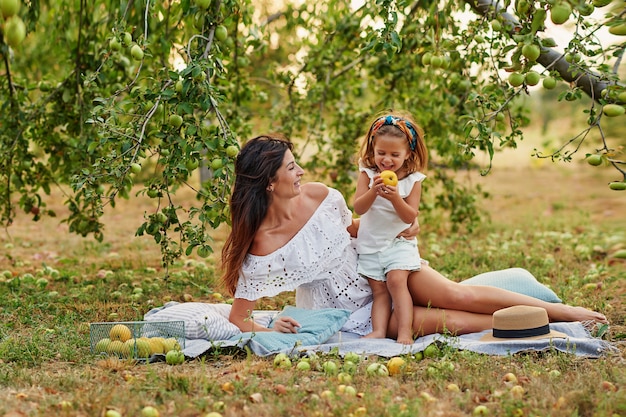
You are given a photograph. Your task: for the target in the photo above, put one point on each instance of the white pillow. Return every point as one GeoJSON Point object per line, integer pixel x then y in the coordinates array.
{"type": "Point", "coordinates": [202, 320]}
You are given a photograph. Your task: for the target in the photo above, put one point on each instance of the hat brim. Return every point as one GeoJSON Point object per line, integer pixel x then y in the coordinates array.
{"type": "Point", "coordinates": [552, 335]}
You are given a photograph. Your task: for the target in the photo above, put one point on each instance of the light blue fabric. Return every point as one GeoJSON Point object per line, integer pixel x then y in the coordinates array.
{"type": "Point", "coordinates": [317, 326]}
{"type": "Point", "coordinates": [515, 279]}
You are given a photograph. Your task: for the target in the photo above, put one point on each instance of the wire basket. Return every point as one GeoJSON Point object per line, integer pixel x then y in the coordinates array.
{"type": "Point", "coordinates": [136, 339]}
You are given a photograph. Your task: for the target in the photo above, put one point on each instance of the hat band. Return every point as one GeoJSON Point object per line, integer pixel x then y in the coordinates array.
{"type": "Point", "coordinates": [520, 333]}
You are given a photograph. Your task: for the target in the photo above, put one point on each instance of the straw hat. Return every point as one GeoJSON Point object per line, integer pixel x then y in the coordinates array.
{"type": "Point", "coordinates": [521, 323]}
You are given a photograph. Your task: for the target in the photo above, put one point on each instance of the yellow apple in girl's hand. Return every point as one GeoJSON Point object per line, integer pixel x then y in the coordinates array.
{"type": "Point", "coordinates": [389, 178]}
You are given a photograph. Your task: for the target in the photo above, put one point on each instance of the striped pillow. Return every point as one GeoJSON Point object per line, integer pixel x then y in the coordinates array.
{"type": "Point", "coordinates": [202, 320]}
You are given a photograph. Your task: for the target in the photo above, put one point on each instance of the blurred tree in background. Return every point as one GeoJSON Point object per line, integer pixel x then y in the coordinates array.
{"type": "Point", "coordinates": [101, 96]}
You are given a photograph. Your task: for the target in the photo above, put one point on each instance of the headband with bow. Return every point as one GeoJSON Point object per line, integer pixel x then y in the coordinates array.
{"type": "Point", "coordinates": [405, 126]}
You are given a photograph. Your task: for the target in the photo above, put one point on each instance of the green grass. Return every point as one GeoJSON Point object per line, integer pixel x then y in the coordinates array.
{"type": "Point", "coordinates": [46, 367]}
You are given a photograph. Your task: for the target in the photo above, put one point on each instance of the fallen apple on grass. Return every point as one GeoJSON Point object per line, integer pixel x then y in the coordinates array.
{"type": "Point", "coordinates": [377, 369]}
{"type": "Point", "coordinates": [281, 360]}
{"type": "Point", "coordinates": [149, 411]}
{"type": "Point", "coordinates": [330, 367]}
{"type": "Point", "coordinates": [174, 357]}
{"type": "Point", "coordinates": [396, 365]}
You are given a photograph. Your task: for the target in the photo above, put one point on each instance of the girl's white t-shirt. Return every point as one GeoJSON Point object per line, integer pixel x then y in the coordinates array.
{"type": "Point", "coordinates": [381, 224]}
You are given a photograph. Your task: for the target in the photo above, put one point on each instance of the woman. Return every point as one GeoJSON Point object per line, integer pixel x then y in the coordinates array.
{"type": "Point", "coordinates": [290, 236]}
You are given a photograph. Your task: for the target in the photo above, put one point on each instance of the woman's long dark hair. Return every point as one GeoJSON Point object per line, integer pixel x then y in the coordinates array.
{"type": "Point", "coordinates": [255, 168]}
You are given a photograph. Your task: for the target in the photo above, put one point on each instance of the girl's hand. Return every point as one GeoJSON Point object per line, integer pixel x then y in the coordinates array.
{"type": "Point", "coordinates": [286, 325]}
{"type": "Point", "coordinates": [385, 191]}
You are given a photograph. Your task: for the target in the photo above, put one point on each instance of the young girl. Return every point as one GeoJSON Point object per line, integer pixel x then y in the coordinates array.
{"type": "Point", "coordinates": [394, 143]}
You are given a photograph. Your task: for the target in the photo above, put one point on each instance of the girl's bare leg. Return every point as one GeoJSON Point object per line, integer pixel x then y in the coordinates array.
{"type": "Point", "coordinates": [428, 320]}
{"type": "Point", "coordinates": [402, 304]}
{"type": "Point", "coordinates": [431, 289]}
{"type": "Point", "coordinates": [381, 309]}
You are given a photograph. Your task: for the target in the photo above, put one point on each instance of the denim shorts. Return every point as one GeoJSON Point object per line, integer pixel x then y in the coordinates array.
{"type": "Point", "coordinates": [402, 254]}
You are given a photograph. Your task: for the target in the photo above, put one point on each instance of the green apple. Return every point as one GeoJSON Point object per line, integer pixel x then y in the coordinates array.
{"type": "Point", "coordinates": [431, 351]}
{"type": "Point", "coordinates": [149, 411]}
{"type": "Point", "coordinates": [144, 349]}
{"type": "Point", "coordinates": [303, 366]}
{"type": "Point", "coordinates": [112, 413]}
{"type": "Point", "coordinates": [171, 344]}
{"type": "Point", "coordinates": [232, 151]}
{"type": "Point", "coordinates": [161, 217]}
{"type": "Point", "coordinates": [352, 357]}
{"type": "Point", "coordinates": [344, 377]}
{"type": "Point", "coordinates": [594, 160]}
{"type": "Point", "coordinates": [572, 57]}
{"type": "Point", "coordinates": [516, 79]}
{"type": "Point", "coordinates": [221, 33]}
{"type": "Point", "coordinates": [115, 44]}
{"type": "Point", "coordinates": [436, 61]}
{"type": "Point", "coordinates": [102, 346]}
{"type": "Point", "coordinates": [560, 13]}
{"type": "Point", "coordinates": [585, 9]}
{"type": "Point", "coordinates": [217, 163]}
{"type": "Point", "coordinates": [617, 185]}
{"type": "Point", "coordinates": [613, 110]}
{"type": "Point", "coordinates": [281, 360]}
{"type": "Point", "coordinates": [480, 410]}
{"type": "Point", "coordinates": [191, 164]}
{"type": "Point", "coordinates": [14, 31]}
{"type": "Point", "coordinates": [549, 83]}
{"type": "Point", "coordinates": [175, 121]}
{"type": "Point", "coordinates": [376, 369]}
{"type": "Point", "coordinates": [135, 168]}
{"type": "Point", "coordinates": [203, 4]}
{"type": "Point", "coordinates": [619, 30]}
{"type": "Point", "coordinates": [532, 78]}
{"type": "Point", "coordinates": [350, 367]}
{"type": "Point", "coordinates": [531, 51]}
{"type": "Point", "coordinates": [9, 8]}
{"type": "Point", "coordinates": [136, 52]}
{"type": "Point", "coordinates": [200, 77]}
{"type": "Point", "coordinates": [330, 367]}
{"type": "Point", "coordinates": [127, 39]}
{"type": "Point", "coordinates": [174, 357]}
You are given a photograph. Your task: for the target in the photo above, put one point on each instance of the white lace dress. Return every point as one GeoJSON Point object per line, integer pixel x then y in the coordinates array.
{"type": "Point", "coordinates": [319, 262]}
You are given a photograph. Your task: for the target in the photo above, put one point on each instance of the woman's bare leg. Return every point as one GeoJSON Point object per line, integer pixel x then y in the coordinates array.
{"type": "Point", "coordinates": [428, 320]}
{"type": "Point", "coordinates": [431, 289]}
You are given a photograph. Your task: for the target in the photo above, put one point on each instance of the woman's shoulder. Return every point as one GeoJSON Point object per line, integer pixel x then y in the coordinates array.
{"type": "Point", "coordinates": [315, 191]}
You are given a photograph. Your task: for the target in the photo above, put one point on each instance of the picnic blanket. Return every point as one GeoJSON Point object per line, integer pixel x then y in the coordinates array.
{"type": "Point", "coordinates": [207, 327]}
{"type": "Point", "coordinates": [320, 333]}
